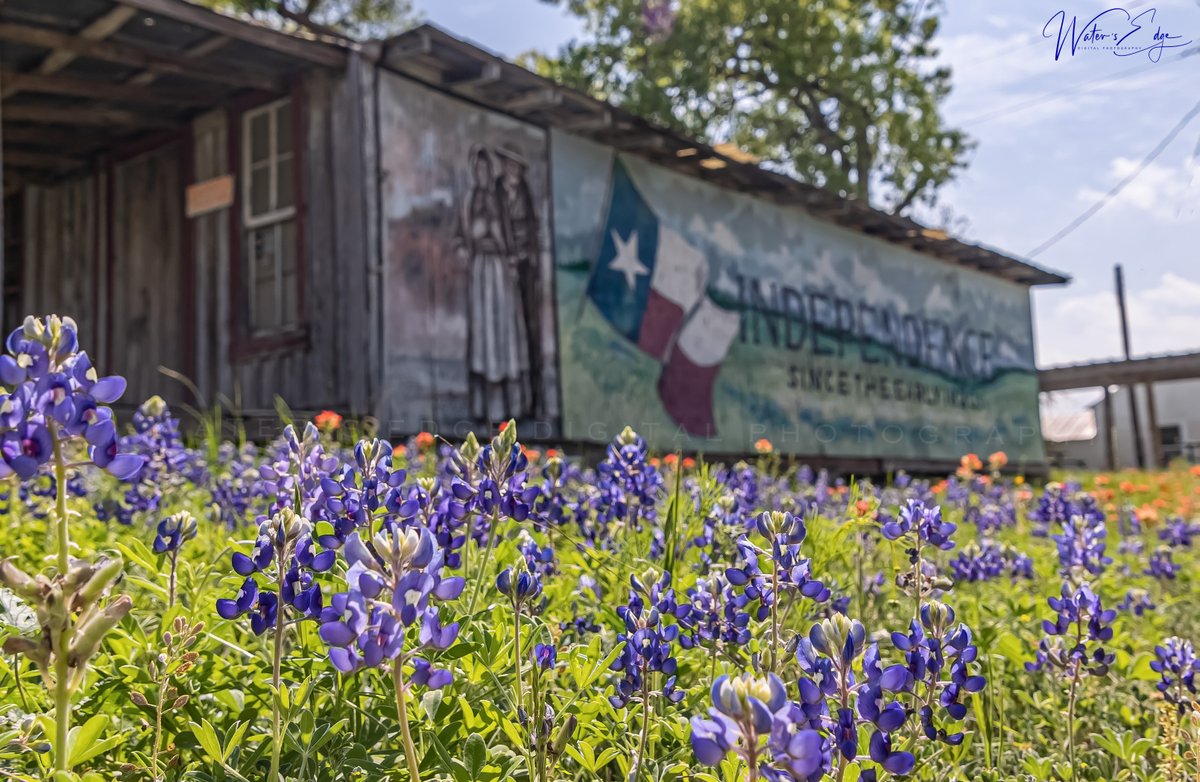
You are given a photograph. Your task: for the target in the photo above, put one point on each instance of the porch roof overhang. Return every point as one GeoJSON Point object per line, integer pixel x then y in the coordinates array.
{"type": "Point", "coordinates": [82, 78]}
{"type": "Point", "coordinates": [435, 57]}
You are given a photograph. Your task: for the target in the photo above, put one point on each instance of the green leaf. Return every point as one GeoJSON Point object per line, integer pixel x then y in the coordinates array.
{"type": "Point", "coordinates": [207, 737]}
{"type": "Point", "coordinates": [474, 754]}
{"type": "Point", "coordinates": [235, 740]}
{"type": "Point", "coordinates": [82, 737]}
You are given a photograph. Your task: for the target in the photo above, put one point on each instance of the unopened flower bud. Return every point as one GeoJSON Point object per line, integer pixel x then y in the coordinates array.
{"type": "Point", "coordinates": [18, 580]}
{"type": "Point", "coordinates": [105, 573]}
{"type": "Point", "coordinates": [91, 632]}
{"type": "Point", "coordinates": [469, 450]}
{"type": "Point", "coordinates": [564, 735]}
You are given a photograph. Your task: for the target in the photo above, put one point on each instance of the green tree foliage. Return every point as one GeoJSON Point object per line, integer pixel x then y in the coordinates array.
{"type": "Point", "coordinates": [841, 93]}
{"type": "Point", "coordinates": [355, 18]}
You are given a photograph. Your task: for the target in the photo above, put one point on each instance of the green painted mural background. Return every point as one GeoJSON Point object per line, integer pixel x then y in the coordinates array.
{"type": "Point", "coordinates": [824, 382]}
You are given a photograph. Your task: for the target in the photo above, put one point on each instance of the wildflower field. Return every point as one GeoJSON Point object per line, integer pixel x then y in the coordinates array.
{"type": "Point", "coordinates": [331, 606]}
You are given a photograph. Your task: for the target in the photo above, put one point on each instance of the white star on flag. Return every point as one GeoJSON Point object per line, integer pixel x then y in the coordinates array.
{"type": "Point", "coordinates": [626, 261]}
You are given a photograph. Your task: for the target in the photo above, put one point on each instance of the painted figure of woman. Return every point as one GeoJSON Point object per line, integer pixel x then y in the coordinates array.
{"type": "Point", "coordinates": [524, 248]}
{"type": "Point", "coordinates": [497, 339]}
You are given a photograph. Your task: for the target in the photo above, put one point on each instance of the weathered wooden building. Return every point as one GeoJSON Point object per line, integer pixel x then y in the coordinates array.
{"type": "Point", "coordinates": [417, 230]}
{"type": "Point", "coordinates": [111, 110]}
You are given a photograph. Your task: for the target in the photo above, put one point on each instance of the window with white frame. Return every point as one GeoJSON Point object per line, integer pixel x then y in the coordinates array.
{"type": "Point", "coordinates": [269, 218]}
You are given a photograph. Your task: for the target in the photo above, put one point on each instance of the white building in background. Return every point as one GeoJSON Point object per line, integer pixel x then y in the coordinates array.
{"type": "Point", "coordinates": [1077, 439]}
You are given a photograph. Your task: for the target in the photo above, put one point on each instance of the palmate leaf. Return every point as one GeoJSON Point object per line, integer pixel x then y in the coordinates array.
{"type": "Point", "coordinates": [16, 617]}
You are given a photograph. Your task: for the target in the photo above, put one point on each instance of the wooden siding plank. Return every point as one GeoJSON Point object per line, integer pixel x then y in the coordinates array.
{"type": "Point", "coordinates": [146, 324]}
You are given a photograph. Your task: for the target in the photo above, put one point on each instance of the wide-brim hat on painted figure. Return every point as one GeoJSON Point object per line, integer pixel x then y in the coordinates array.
{"type": "Point", "coordinates": [508, 151]}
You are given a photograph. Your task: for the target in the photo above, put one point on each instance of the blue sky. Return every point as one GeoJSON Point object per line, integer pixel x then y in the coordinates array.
{"type": "Point", "coordinates": [1053, 137]}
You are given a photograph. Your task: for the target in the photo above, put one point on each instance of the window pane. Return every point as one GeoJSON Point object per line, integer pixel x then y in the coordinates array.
{"type": "Point", "coordinates": [260, 135]}
{"type": "Point", "coordinates": [260, 190]}
{"type": "Point", "coordinates": [288, 263]}
{"type": "Point", "coordinates": [283, 128]}
{"type": "Point", "coordinates": [285, 192]}
{"type": "Point", "coordinates": [264, 278]}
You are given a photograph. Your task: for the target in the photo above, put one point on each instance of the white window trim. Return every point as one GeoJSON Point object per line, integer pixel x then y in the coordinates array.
{"type": "Point", "coordinates": [249, 220]}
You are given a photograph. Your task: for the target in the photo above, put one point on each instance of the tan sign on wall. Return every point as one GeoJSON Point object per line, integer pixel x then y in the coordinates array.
{"type": "Point", "coordinates": [209, 195]}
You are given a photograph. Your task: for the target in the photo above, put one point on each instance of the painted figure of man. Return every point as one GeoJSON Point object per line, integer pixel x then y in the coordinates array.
{"type": "Point", "coordinates": [498, 361]}
{"type": "Point", "coordinates": [521, 238]}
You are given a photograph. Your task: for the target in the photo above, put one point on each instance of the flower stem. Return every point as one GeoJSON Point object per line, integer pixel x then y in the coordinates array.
{"type": "Point", "coordinates": [493, 533]}
{"type": "Point", "coordinates": [276, 681]}
{"type": "Point", "coordinates": [774, 615]}
{"type": "Point", "coordinates": [60, 503]}
{"type": "Point", "coordinates": [641, 755]}
{"type": "Point", "coordinates": [519, 682]}
{"type": "Point", "coordinates": [172, 579]}
{"type": "Point", "coordinates": [410, 750]}
{"type": "Point", "coordinates": [917, 575]}
{"type": "Point", "coordinates": [158, 710]}
{"type": "Point", "coordinates": [1071, 721]}
{"type": "Point", "coordinates": [62, 657]}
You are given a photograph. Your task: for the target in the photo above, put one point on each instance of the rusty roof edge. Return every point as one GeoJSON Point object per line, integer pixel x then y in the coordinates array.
{"type": "Point", "coordinates": [325, 50]}
{"type": "Point", "coordinates": [817, 201]}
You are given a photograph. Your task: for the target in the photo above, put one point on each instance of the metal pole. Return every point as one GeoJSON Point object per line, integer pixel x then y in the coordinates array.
{"type": "Point", "coordinates": [1156, 445]}
{"type": "Point", "coordinates": [1139, 447]}
{"type": "Point", "coordinates": [1110, 432]}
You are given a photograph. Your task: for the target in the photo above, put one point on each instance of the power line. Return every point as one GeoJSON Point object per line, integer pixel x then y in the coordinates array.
{"type": "Point", "coordinates": [1116, 189]}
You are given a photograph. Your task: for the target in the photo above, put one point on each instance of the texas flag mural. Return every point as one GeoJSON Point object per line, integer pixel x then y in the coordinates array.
{"type": "Point", "coordinates": [650, 284]}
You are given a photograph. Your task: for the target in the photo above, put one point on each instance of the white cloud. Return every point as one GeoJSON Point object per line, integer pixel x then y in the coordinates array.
{"type": "Point", "coordinates": [1163, 318]}
{"type": "Point", "coordinates": [719, 234]}
{"type": "Point", "coordinates": [1165, 192]}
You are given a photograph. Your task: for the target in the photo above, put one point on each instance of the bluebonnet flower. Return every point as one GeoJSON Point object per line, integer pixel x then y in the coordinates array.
{"type": "Point", "coordinates": [1076, 636]}
{"type": "Point", "coordinates": [717, 617]}
{"type": "Point", "coordinates": [173, 531]}
{"type": "Point", "coordinates": [1175, 661]}
{"type": "Point", "coordinates": [168, 465]}
{"type": "Point", "coordinates": [988, 560]}
{"type": "Point", "coordinates": [560, 480]}
{"type": "Point", "coordinates": [926, 523]}
{"type": "Point", "coordinates": [629, 485]}
{"type": "Point", "coordinates": [56, 394]}
{"type": "Point", "coordinates": [938, 654]}
{"type": "Point", "coordinates": [1179, 533]}
{"type": "Point", "coordinates": [443, 504]}
{"type": "Point", "coordinates": [1059, 503]}
{"type": "Point", "coordinates": [799, 752]}
{"type": "Point", "coordinates": [1081, 545]}
{"type": "Point", "coordinates": [1162, 564]}
{"type": "Point", "coordinates": [392, 586]}
{"type": "Point", "coordinates": [786, 571]}
{"type": "Point", "coordinates": [1130, 530]}
{"type": "Point", "coordinates": [231, 482]}
{"type": "Point", "coordinates": [284, 540]}
{"type": "Point", "coordinates": [1137, 601]}
{"type": "Point", "coordinates": [545, 656]}
{"type": "Point", "coordinates": [520, 587]}
{"type": "Point", "coordinates": [994, 514]}
{"type": "Point", "coordinates": [503, 487]}
{"type": "Point", "coordinates": [648, 641]}
{"type": "Point", "coordinates": [741, 716]}
{"type": "Point", "coordinates": [539, 559]}
{"type": "Point", "coordinates": [837, 699]}
{"type": "Point", "coordinates": [300, 475]}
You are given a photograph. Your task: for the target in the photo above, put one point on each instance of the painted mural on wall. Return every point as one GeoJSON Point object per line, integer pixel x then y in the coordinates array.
{"type": "Point", "coordinates": [469, 312]}
{"type": "Point", "coordinates": [708, 319]}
